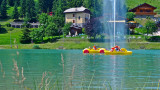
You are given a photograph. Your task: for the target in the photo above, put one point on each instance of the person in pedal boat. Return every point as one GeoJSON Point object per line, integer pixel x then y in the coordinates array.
{"type": "Point", "coordinates": [117, 48]}
{"type": "Point", "coordinates": [94, 47]}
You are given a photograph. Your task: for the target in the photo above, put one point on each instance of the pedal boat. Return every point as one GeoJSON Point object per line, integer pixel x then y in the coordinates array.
{"type": "Point", "coordinates": [98, 50]}
{"type": "Point", "coordinates": [123, 51]}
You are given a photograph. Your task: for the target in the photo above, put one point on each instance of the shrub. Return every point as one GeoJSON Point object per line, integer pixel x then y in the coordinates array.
{"type": "Point", "coordinates": [8, 24]}
{"type": "Point", "coordinates": [9, 28]}
{"type": "Point", "coordinates": [3, 30]}
{"type": "Point", "coordinates": [154, 39]}
{"type": "Point", "coordinates": [83, 30]}
{"type": "Point", "coordinates": [141, 30]}
{"type": "Point", "coordinates": [36, 47]}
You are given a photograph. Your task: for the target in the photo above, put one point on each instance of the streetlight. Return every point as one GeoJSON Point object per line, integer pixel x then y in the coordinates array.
{"type": "Point", "coordinates": [10, 39]}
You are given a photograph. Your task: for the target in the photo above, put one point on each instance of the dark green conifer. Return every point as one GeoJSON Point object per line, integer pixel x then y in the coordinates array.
{"type": "Point", "coordinates": [15, 14]}
{"type": "Point", "coordinates": [30, 9]}
{"type": "Point", "coordinates": [23, 8]}
{"type": "Point", "coordinates": [3, 9]}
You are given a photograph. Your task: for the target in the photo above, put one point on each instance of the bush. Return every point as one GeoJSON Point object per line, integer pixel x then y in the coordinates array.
{"type": "Point", "coordinates": [140, 30]}
{"type": "Point", "coordinates": [8, 24]}
{"type": "Point", "coordinates": [154, 39]}
{"type": "Point", "coordinates": [9, 28]}
{"type": "Point", "coordinates": [3, 30]}
{"type": "Point", "coordinates": [36, 47]}
{"type": "Point", "coordinates": [83, 30]}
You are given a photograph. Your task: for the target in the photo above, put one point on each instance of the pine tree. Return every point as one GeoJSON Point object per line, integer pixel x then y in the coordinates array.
{"type": "Point", "coordinates": [3, 9]}
{"type": "Point", "coordinates": [59, 11]}
{"type": "Point", "coordinates": [23, 8]}
{"type": "Point", "coordinates": [25, 38]}
{"type": "Point", "coordinates": [15, 14]}
{"type": "Point", "coordinates": [50, 4]}
{"type": "Point", "coordinates": [30, 9]}
{"type": "Point", "coordinates": [10, 2]}
{"type": "Point", "coordinates": [43, 5]}
{"type": "Point", "coordinates": [1, 1]}
{"type": "Point", "coordinates": [54, 7]}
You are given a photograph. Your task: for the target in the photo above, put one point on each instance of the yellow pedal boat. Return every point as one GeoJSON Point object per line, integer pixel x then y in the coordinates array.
{"type": "Point", "coordinates": [98, 50]}
{"type": "Point", "coordinates": [123, 51]}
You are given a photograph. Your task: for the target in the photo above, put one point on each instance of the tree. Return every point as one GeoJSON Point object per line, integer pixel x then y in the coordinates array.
{"type": "Point", "coordinates": [25, 38]}
{"type": "Point", "coordinates": [23, 8]}
{"type": "Point", "coordinates": [67, 28]}
{"type": "Point", "coordinates": [151, 27]}
{"type": "Point", "coordinates": [30, 9]}
{"type": "Point", "coordinates": [130, 16]}
{"type": "Point", "coordinates": [95, 6]}
{"type": "Point", "coordinates": [51, 29]}
{"type": "Point", "coordinates": [4, 9]}
{"type": "Point", "coordinates": [1, 1]}
{"type": "Point", "coordinates": [10, 2]}
{"type": "Point", "coordinates": [15, 14]}
{"type": "Point", "coordinates": [43, 19]}
{"type": "Point", "coordinates": [94, 28]}
{"type": "Point", "coordinates": [38, 34]}
{"type": "Point", "coordinates": [43, 5]}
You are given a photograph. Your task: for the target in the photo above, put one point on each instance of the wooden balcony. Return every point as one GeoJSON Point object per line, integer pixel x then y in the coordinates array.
{"type": "Point", "coordinates": [145, 13]}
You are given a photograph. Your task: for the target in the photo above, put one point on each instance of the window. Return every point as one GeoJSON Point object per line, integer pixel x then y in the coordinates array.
{"type": "Point", "coordinates": [73, 21]}
{"type": "Point", "coordinates": [148, 10]}
{"type": "Point", "coordinates": [79, 17]}
{"type": "Point", "coordinates": [73, 15]}
{"type": "Point", "coordinates": [141, 10]}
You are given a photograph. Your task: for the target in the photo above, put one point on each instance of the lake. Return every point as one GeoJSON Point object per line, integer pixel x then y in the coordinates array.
{"type": "Point", "coordinates": [73, 70]}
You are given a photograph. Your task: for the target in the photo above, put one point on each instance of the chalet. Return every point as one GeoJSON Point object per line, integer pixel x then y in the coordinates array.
{"type": "Point", "coordinates": [79, 17]}
{"type": "Point", "coordinates": [144, 10]}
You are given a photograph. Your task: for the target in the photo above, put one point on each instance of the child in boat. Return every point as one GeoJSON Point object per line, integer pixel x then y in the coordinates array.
{"type": "Point", "coordinates": [117, 48]}
{"type": "Point", "coordinates": [112, 49]}
{"type": "Point", "coordinates": [94, 47]}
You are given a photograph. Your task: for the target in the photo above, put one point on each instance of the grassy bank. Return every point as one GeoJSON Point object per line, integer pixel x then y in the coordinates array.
{"type": "Point", "coordinates": [83, 43]}
{"type": "Point", "coordinates": [14, 36]}
{"type": "Point", "coordinates": [71, 43]}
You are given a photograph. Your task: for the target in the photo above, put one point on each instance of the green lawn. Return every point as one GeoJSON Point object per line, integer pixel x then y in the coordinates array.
{"type": "Point", "coordinates": [5, 38]}
{"type": "Point", "coordinates": [78, 43]}
{"type": "Point", "coordinates": [5, 21]}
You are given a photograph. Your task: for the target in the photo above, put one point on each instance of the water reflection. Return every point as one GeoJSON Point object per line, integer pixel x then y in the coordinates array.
{"type": "Point", "coordinates": [70, 69]}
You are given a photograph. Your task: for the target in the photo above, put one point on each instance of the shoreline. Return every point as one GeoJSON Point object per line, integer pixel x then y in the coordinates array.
{"type": "Point", "coordinates": [83, 45]}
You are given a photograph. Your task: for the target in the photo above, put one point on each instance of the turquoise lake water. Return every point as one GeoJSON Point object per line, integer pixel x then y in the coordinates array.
{"type": "Point", "coordinates": [73, 70]}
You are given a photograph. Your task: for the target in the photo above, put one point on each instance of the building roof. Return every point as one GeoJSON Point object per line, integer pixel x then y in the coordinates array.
{"type": "Point", "coordinates": [21, 23]}
{"type": "Point", "coordinates": [78, 9]}
{"type": "Point", "coordinates": [142, 5]}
